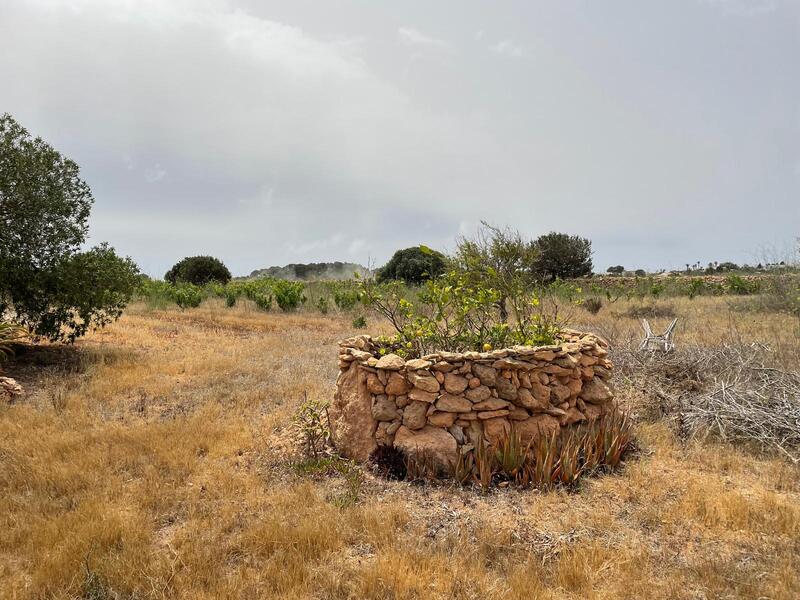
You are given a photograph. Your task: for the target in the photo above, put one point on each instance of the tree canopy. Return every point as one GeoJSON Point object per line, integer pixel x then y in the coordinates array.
{"type": "Point", "coordinates": [198, 270]}
{"type": "Point", "coordinates": [46, 283]}
{"type": "Point", "coordinates": [562, 256]}
{"type": "Point", "coordinates": [413, 265]}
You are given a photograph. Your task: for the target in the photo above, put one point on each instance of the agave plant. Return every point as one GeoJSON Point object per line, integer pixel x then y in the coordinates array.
{"type": "Point", "coordinates": [511, 455]}
{"type": "Point", "coordinates": [485, 466]}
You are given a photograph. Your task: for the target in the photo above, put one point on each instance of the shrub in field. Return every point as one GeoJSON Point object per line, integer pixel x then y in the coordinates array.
{"type": "Point", "coordinates": [323, 304]}
{"type": "Point", "coordinates": [562, 256]}
{"type": "Point", "coordinates": [187, 295]}
{"type": "Point", "coordinates": [231, 296]}
{"type": "Point", "coordinates": [345, 294]}
{"type": "Point", "coordinates": [651, 311]}
{"type": "Point", "coordinates": [312, 426]}
{"type": "Point", "coordinates": [198, 270]}
{"type": "Point", "coordinates": [413, 265]}
{"type": "Point", "coordinates": [735, 284]}
{"type": "Point", "coordinates": [288, 294]}
{"type": "Point", "coordinates": [359, 322]}
{"type": "Point", "coordinates": [593, 305]}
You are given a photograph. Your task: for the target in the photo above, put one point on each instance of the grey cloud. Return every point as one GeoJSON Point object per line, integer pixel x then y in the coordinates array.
{"type": "Point", "coordinates": [270, 132]}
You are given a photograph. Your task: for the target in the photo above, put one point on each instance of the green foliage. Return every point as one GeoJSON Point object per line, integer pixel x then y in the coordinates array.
{"type": "Point", "coordinates": [345, 294]}
{"type": "Point", "coordinates": [451, 314]}
{"type": "Point", "coordinates": [562, 256]}
{"type": "Point", "coordinates": [499, 259]}
{"type": "Point", "coordinates": [46, 284]}
{"type": "Point", "coordinates": [616, 270]}
{"type": "Point", "coordinates": [198, 270]}
{"type": "Point", "coordinates": [413, 265]}
{"type": "Point", "coordinates": [323, 304]}
{"type": "Point", "coordinates": [740, 286]}
{"type": "Point", "coordinates": [187, 295]}
{"type": "Point", "coordinates": [288, 294]}
{"type": "Point", "coordinates": [359, 322]}
{"type": "Point", "coordinates": [311, 425]}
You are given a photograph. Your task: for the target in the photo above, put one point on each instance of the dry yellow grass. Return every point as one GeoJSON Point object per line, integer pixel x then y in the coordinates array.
{"type": "Point", "coordinates": [152, 462]}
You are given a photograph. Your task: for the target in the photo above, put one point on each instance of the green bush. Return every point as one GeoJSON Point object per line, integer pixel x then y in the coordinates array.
{"type": "Point", "coordinates": [323, 304]}
{"type": "Point", "coordinates": [413, 265]}
{"type": "Point", "coordinates": [187, 295]}
{"type": "Point", "coordinates": [198, 270]}
{"type": "Point", "coordinates": [345, 294]}
{"type": "Point", "coordinates": [453, 315]}
{"type": "Point", "coordinates": [359, 322]}
{"type": "Point", "coordinates": [288, 294]}
{"type": "Point", "coordinates": [740, 286]}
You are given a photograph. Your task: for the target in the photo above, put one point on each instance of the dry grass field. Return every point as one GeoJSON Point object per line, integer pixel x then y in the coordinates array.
{"type": "Point", "coordinates": [153, 460]}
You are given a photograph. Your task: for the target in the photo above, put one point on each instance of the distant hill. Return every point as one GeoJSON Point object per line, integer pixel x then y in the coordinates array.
{"type": "Point", "coordinates": [312, 271]}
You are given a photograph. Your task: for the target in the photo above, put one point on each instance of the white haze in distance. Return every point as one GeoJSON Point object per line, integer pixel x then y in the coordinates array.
{"type": "Point", "coordinates": [273, 132]}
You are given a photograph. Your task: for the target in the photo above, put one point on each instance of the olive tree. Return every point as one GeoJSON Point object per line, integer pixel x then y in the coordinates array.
{"type": "Point", "coordinates": [413, 265]}
{"type": "Point", "coordinates": [47, 283]}
{"type": "Point", "coordinates": [198, 270]}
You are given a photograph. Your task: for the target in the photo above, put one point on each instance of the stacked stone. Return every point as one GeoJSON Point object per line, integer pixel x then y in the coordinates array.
{"type": "Point", "coordinates": [447, 402]}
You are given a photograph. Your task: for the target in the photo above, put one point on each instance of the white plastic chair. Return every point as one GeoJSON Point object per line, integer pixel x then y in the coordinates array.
{"type": "Point", "coordinates": [661, 342]}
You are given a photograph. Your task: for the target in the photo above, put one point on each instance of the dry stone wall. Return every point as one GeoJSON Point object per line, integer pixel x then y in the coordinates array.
{"type": "Point", "coordinates": [447, 402]}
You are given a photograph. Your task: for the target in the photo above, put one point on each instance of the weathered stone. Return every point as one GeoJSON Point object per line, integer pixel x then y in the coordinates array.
{"type": "Point", "coordinates": [494, 430]}
{"type": "Point", "coordinates": [455, 384]}
{"type": "Point", "coordinates": [588, 360]}
{"type": "Point", "coordinates": [384, 409]}
{"type": "Point", "coordinates": [491, 404]}
{"type": "Point", "coordinates": [587, 373]}
{"type": "Point", "coordinates": [559, 393]}
{"type": "Point", "coordinates": [374, 385]}
{"type": "Point", "coordinates": [382, 435]}
{"type": "Point", "coordinates": [443, 367]}
{"type": "Point", "coordinates": [479, 394]}
{"type": "Point", "coordinates": [474, 382]}
{"type": "Point", "coordinates": [602, 372]}
{"type": "Point", "coordinates": [429, 443]}
{"type": "Point", "coordinates": [544, 379]}
{"type": "Point", "coordinates": [424, 382]}
{"type": "Point", "coordinates": [352, 424]}
{"type": "Point", "coordinates": [487, 375]}
{"type": "Point", "coordinates": [382, 376]}
{"type": "Point", "coordinates": [545, 355]}
{"type": "Point", "coordinates": [397, 385]}
{"type": "Point", "coordinates": [573, 416]}
{"type": "Point", "coordinates": [592, 412]}
{"type": "Point", "coordinates": [455, 404]}
{"type": "Point", "coordinates": [442, 419]}
{"type": "Point", "coordinates": [422, 395]}
{"type": "Point", "coordinates": [526, 399]}
{"type": "Point", "coordinates": [417, 363]}
{"type": "Point", "coordinates": [415, 415]}
{"type": "Point", "coordinates": [439, 377]}
{"type": "Point", "coordinates": [393, 427]}
{"type": "Point", "coordinates": [402, 401]}
{"type": "Point", "coordinates": [536, 426]}
{"type": "Point", "coordinates": [491, 414]}
{"type": "Point", "coordinates": [574, 386]}
{"type": "Point", "coordinates": [457, 432]}
{"type": "Point", "coordinates": [391, 362]}
{"type": "Point", "coordinates": [518, 414]}
{"type": "Point", "coordinates": [595, 391]}
{"type": "Point", "coordinates": [505, 389]}
{"type": "Point", "coordinates": [525, 380]}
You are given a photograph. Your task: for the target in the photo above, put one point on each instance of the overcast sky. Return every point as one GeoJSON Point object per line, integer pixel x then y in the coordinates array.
{"type": "Point", "coordinates": [268, 132]}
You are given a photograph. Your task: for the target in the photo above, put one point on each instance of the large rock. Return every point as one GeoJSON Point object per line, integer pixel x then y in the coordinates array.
{"type": "Point", "coordinates": [526, 398]}
{"type": "Point", "coordinates": [415, 415]}
{"type": "Point", "coordinates": [422, 395]}
{"type": "Point", "coordinates": [384, 409]}
{"type": "Point", "coordinates": [442, 419]}
{"type": "Point", "coordinates": [456, 404]}
{"type": "Point", "coordinates": [487, 374]}
{"type": "Point", "coordinates": [374, 385]}
{"type": "Point", "coordinates": [391, 362]}
{"type": "Point", "coordinates": [397, 384]}
{"type": "Point", "coordinates": [494, 430]}
{"type": "Point", "coordinates": [537, 426]}
{"type": "Point", "coordinates": [455, 384]}
{"type": "Point", "coordinates": [596, 391]}
{"type": "Point", "coordinates": [429, 444]}
{"type": "Point", "coordinates": [478, 394]}
{"type": "Point", "coordinates": [490, 404]}
{"type": "Point", "coordinates": [352, 424]}
{"type": "Point", "coordinates": [505, 389]}
{"type": "Point", "coordinates": [423, 381]}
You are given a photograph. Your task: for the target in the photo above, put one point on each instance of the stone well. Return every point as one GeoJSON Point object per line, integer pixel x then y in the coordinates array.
{"type": "Point", "coordinates": [445, 403]}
